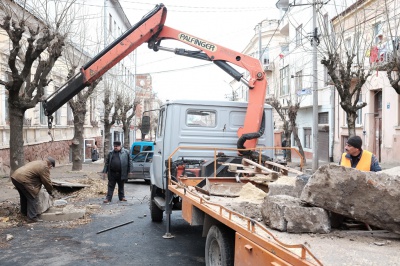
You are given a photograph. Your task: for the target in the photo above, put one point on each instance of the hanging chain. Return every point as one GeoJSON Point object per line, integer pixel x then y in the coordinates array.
{"type": "Point", "coordinates": [49, 123]}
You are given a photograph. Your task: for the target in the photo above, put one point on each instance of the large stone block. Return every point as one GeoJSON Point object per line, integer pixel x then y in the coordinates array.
{"type": "Point", "coordinates": [369, 197]}
{"type": "Point", "coordinates": [288, 185]}
{"type": "Point", "coordinates": [286, 213]}
{"type": "Point", "coordinates": [307, 220]}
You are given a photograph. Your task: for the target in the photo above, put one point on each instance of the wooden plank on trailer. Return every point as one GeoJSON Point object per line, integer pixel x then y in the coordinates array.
{"type": "Point", "coordinates": [259, 166]}
{"type": "Point", "coordinates": [289, 169]}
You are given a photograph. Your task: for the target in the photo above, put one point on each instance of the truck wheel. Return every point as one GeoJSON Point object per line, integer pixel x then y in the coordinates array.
{"type": "Point", "coordinates": [155, 212]}
{"type": "Point", "coordinates": [220, 246]}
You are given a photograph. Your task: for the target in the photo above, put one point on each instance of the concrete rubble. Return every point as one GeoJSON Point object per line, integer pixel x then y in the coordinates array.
{"type": "Point", "coordinates": [287, 213]}
{"type": "Point", "coordinates": [369, 197]}
{"type": "Point", "coordinates": [316, 203]}
{"type": "Point", "coordinates": [57, 210]}
{"type": "Point", "coordinates": [62, 213]}
{"type": "Point", "coordinates": [283, 210]}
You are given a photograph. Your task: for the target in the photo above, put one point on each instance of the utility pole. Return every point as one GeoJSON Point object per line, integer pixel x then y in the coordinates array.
{"type": "Point", "coordinates": [315, 89]}
{"type": "Point", "coordinates": [314, 44]}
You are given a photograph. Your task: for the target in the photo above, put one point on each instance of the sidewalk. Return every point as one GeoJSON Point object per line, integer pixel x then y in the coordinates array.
{"type": "Point", "coordinates": [60, 173]}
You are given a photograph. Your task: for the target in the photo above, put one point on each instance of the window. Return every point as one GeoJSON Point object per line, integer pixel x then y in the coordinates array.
{"type": "Point", "coordinates": [327, 78]}
{"type": "Point", "coordinates": [285, 49]}
{"type": "Point", "coordinates": [200, 118]}
{"type": "Point", "coordinates": [359, 112]}
{"type": "Point", "coordinates": [42, 116]}
{"type": "Point", "coordinates": [8, 77]}
{"type": "Point", "coordinates": [265, 56]}
{"type": "Point", "coordinates": [284, 81]}
{"type": "Point", "coordinates": [115, 28]}
{"type": "Point", "coordinates": [92, 109]}
{"type": "Point", "coordinates": [307, 138]}
{"type": "Point", "coordinates": [378, 29]}
{"type": "Point", "coordinates": [57, 114]}
{"type": "Point", "coordinates": [110, 24]}
{"type": "Point", "coordinates": [347, 44]}
{"type": "Point", "coordinates": [6, 112]}
{"type": "Point", "coordinates": [298, 35]}
{"type": "Point", "coordinates": [70, 115]}
{"type": "Point", "coordinates": [160, 127]}
{"type": "Point", "coordinates": [298, 80]}
{"type": "Point", "coordinates": [57, 117]}
{"type": "Point", "coordinates": [143, 157]}
{"type": "Point", "coordinates": [323, 118]}
{"type": "Point", "coordinates": [327, 25]}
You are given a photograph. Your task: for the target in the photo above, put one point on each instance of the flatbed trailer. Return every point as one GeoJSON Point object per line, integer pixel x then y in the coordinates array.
{"type": "Point", "coordinates": [253, 243]}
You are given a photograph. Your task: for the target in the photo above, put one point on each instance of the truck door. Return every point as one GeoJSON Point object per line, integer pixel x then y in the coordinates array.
{"type": "Point", "coordinates": [158, 165]}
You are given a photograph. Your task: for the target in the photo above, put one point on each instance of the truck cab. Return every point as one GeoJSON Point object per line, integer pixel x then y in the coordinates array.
{"type": "Point", "coordinates": [195, 123]}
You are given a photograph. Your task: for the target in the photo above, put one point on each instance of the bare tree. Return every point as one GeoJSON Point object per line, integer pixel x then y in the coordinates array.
{"type": "Point", "coordinates": [128, 111]}
{"type": "Point", "coordinates": [392, 65]}
{"type": "Point", "coordinates": [36, 42]}
{"type": "Point", "coordinates": [288, 115]}
{"type": "Point", "coordinates": [111, 109]}
{"type": "Point", "coordinates": [345, 61]}
{"type": "Point", "coordinates": [78, 106]}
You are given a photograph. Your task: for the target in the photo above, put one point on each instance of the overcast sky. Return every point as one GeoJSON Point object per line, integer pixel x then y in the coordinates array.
{"type": "Point", "coordinates": [229, 23]}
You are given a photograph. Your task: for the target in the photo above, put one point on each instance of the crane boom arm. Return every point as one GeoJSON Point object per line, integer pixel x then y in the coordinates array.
{"type": "Point", "coordinates": [151, 29]}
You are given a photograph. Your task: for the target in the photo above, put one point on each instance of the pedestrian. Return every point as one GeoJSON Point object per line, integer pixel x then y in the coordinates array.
{"type": "Point", "coordinates": [95, 153]}
{"type": "Point", "coordinates": [356, 157]}
{"type": "Point", "coordinates": [284, 144]}
{"type": "Point", "coordinates": [28, 180]}
{"type": "Point", "coordinates": [117, 165]}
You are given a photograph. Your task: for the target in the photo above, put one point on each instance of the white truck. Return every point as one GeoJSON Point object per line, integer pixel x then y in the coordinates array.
{"type": "Point", "coordinates": [195, 125]}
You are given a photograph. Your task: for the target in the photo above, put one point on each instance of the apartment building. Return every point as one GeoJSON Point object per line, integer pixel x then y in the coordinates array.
{"type": "Point", "coordinates": [378, 123]}
{"type": "Point", "coordinates": [96, 24]}
{"type": "Point", "coordinates": [342, 24]}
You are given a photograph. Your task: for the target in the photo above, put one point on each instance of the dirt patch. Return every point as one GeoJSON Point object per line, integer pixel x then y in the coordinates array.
{"type": "Point", "coordinates": [10, 215]}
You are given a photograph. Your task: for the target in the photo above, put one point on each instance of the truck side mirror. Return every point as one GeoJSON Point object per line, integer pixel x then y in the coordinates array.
{"type": "Point", "coordinates": [145, 125]}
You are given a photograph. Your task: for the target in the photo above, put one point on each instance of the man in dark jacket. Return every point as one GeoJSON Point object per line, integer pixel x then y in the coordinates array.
{"type": "Point", "coordinates": [117, 165]}
{"type": "Point", "coordinates": [28, 180]}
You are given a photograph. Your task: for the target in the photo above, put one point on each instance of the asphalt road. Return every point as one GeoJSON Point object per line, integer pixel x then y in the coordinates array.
{"type": "Point", "coordinates": [137, 243]}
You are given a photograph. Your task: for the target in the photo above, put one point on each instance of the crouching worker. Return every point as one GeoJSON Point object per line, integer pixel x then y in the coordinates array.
{"type": "Point", "coordinates": [28, 180]}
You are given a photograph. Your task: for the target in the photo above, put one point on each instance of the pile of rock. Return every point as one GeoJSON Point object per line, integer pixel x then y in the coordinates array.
{"type": "Point", "coordinates": [304, 203]}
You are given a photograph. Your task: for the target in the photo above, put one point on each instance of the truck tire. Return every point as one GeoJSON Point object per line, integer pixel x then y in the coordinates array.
{"type": "Point", "coordinates": [155, 212]}
{"type": "Point", "coordinates": [220, 245]}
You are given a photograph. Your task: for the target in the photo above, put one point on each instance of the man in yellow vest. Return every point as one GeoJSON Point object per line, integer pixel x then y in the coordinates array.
{"type": "Point", "coordinates": [356, 157]}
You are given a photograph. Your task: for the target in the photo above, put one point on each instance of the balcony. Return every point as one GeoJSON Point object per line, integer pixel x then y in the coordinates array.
{"type": "Point", "coordinates": [381, 56]}
{"type": "Point", "coordinates": [269, 67]}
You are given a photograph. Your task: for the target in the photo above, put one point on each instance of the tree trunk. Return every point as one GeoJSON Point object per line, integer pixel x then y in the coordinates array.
{"type": "Point", "coordinates": [17, 158]}
{"type": "Point", "coordinates": [107, 138]}
{"type": "Point", "coordinates": [125, 128]}
{"type": "Point", "coordinates": [297, 139]}
{"type": "Point", "coordinates": [78, 142]}
{"type": "Point", "coordinates": [287, 134]}
{"type": "Point", "coordinates": [351, 123]}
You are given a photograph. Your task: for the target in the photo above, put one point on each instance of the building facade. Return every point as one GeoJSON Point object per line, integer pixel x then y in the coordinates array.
{"type": "Point", "coordinates": [95, 25]}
